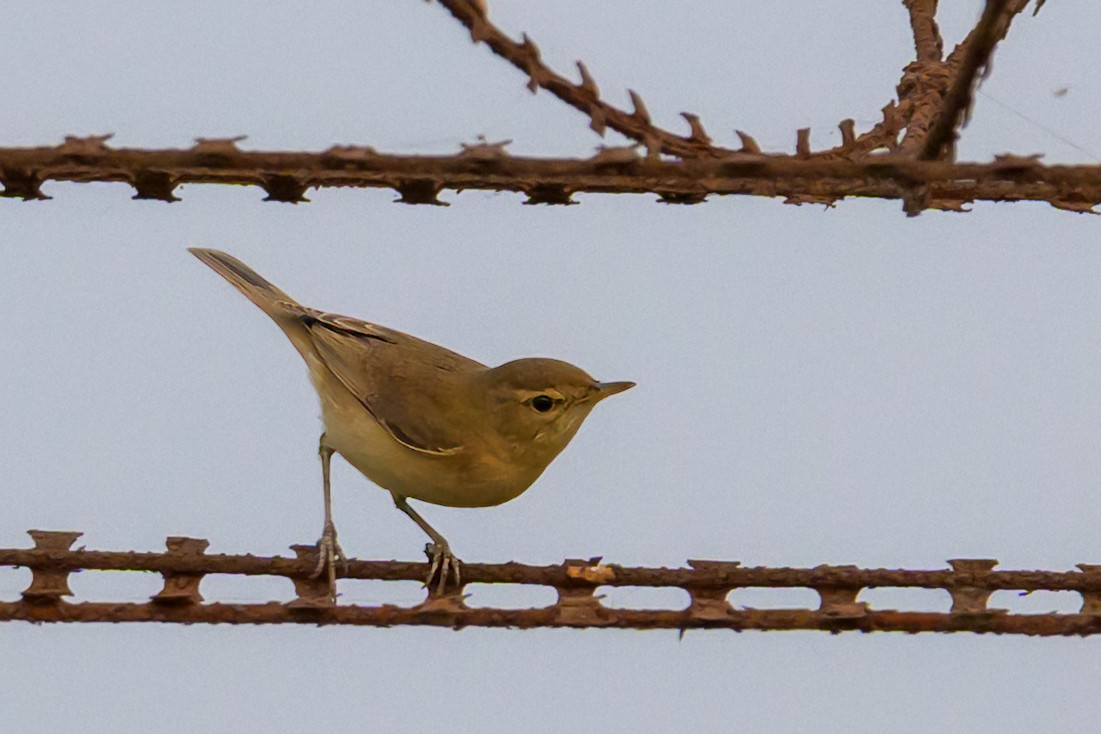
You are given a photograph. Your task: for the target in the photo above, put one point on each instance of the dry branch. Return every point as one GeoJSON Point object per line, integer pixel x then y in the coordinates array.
{"type": "Point", "coordinates": [969, 582]}
{"type": "Point", "coordinates": [637, 125]}
{"type": "Point", "coordinates": [585, 95]}
{"type": "Point", "coordinates": [931, 96]}
{"type": "Point", "coordinates": [934, 95]}
{"type": "Point", "coordinates": [928, 44]}
{"type": "Point", "coordinates": [970, 58]}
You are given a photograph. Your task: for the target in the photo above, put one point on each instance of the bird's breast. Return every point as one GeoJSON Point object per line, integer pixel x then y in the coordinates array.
{"type": "Point", "coordinates": [465, 478]}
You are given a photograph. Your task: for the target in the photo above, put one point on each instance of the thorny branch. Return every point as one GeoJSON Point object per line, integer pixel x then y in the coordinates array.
{"type": "Point", "coordinates": [931, 96]}
{"type": "Point", "coordinates": [708, 584]}
{"type": "Point", "coordinates": [970, 58]}
{"type": "Point", "coordinates": [156, 174]}
{"type": "Point", "coordinates": [637, 125]}
{"type": "Point", "coordinates": [584, 96]}
{"type": "Point", "coordinates": [934, 95]}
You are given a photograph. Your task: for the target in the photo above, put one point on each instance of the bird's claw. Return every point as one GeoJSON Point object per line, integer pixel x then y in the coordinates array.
{"type": "Point", "coordinates": [444, 564]}
{"type": "Point", "coordinates": [329, 555]}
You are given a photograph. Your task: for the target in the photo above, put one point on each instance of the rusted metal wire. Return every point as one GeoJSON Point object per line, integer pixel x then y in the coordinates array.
{"type": "Point", "coordinates": [970, 582]}
{"type": "Point", "coordinates": [286, 176]}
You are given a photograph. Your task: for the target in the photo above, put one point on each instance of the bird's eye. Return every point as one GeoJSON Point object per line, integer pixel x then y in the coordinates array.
{"type": "Point", "coordinates": [542, 403]}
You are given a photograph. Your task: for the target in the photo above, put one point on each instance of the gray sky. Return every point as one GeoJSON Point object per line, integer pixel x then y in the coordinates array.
{"type": "Point", "coordinates": [845, 386]}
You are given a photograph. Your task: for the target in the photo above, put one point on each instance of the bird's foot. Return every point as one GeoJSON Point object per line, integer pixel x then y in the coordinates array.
{"type": "Point", "coordinates": [444, 565]}
{"type": "Point", "coordinates": [329, 555]}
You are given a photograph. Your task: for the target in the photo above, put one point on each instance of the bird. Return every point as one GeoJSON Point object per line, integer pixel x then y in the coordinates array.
{"type": "Point", "coordinates": [419, 420]}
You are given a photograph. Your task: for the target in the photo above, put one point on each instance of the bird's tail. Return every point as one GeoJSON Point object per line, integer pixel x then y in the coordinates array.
{"type": "Point", "coordinates": [245, 279]}
{"type": "Point", "coordinates": [282, 309]}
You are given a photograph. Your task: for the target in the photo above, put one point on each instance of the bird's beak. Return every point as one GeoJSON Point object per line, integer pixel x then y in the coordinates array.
{"type": "Point", "coordinates": [606, 389]}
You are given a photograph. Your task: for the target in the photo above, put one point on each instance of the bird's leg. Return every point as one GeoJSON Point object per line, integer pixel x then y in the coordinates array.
{"type": "Point", "coordinates": [439, 552]}
{"type": "Point", "coordinates": [329, 552]}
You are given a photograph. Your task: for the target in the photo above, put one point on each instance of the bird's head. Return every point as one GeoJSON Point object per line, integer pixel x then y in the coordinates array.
{"type": "Point", "coordinates": [538, 404]}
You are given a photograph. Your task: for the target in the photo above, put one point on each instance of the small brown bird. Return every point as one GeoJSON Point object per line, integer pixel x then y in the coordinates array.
{"type": "Point", "coordinates": [419, 420]}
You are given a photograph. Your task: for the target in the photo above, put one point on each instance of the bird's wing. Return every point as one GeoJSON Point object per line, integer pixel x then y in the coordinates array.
{"type": "Point", "coordinates": [407, 384]}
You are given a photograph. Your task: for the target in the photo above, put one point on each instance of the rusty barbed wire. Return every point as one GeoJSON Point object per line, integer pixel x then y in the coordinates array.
{"type": "Point", "coordinates": [286, 176]}
{"type": "Point", "coordinates": [970, 582]}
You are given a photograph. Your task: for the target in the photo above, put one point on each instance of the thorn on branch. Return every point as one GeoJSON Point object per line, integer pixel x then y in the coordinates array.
{"type": "Point", "coordinates": [607, 155]}
{"type": "Point", "coordinates": [21, 183]}
{"type": "Point", "coordinates": [595, 110]}
{"type": "Point", "coordinates": [351, 153]}
{"type": "Point", "coordinates": [950, 205]}
{"type": "Point", "coordinates": [479, 30]}
{"type": "Point", "coordinates": [588, 84]}
{"type": "Point", "coordinates": [848, 133]}
{"type": "Point", "coordinates": [419, 191]}
{"type": "Point", "coordinates": [802, 142]}
{"type": "Point", "coordinates": [640, 112]}
{"type": "Point", "coordinates": [484, 150]}
{"type": "Point", "coordinates": [699, 135]}
{"type": "Point", "coordinates": [598, 120]}
{"type": "Point", "coordinates": [283, 188]}
{"type": "Point", "coordinates": [829, 202]}
{"type": "Point", "coordinates": [749, 145]}
{"type": "Point", "coordinates": [536, 72]}
{"type": "Point", "coordinates": [1074, 205]}
{"type": "Point", "coordinates": [681, 198]}
{"type": "Point", "coordinates": [893, 122]}
{"type": "Point", "coordinates": [91, 146]}
{"type": "Point", "coordinates": [218, 146]}
{"type": "Point", "coordinates": [158, 185]}
{"type": "Point", "coordinates": [1010, 162]}
{"type": "Point", "coordinates": [549, 194]}
{"type": "Point", "coordinates": [915, 201]}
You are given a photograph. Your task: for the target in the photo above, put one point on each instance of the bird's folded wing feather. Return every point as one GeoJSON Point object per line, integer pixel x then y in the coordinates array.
{"type": "Point", "coordinates": [404, 382]}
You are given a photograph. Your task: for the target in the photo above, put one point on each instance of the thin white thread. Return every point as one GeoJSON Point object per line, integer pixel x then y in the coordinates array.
{"type": "Point", "coordinates": [1043, 127]}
